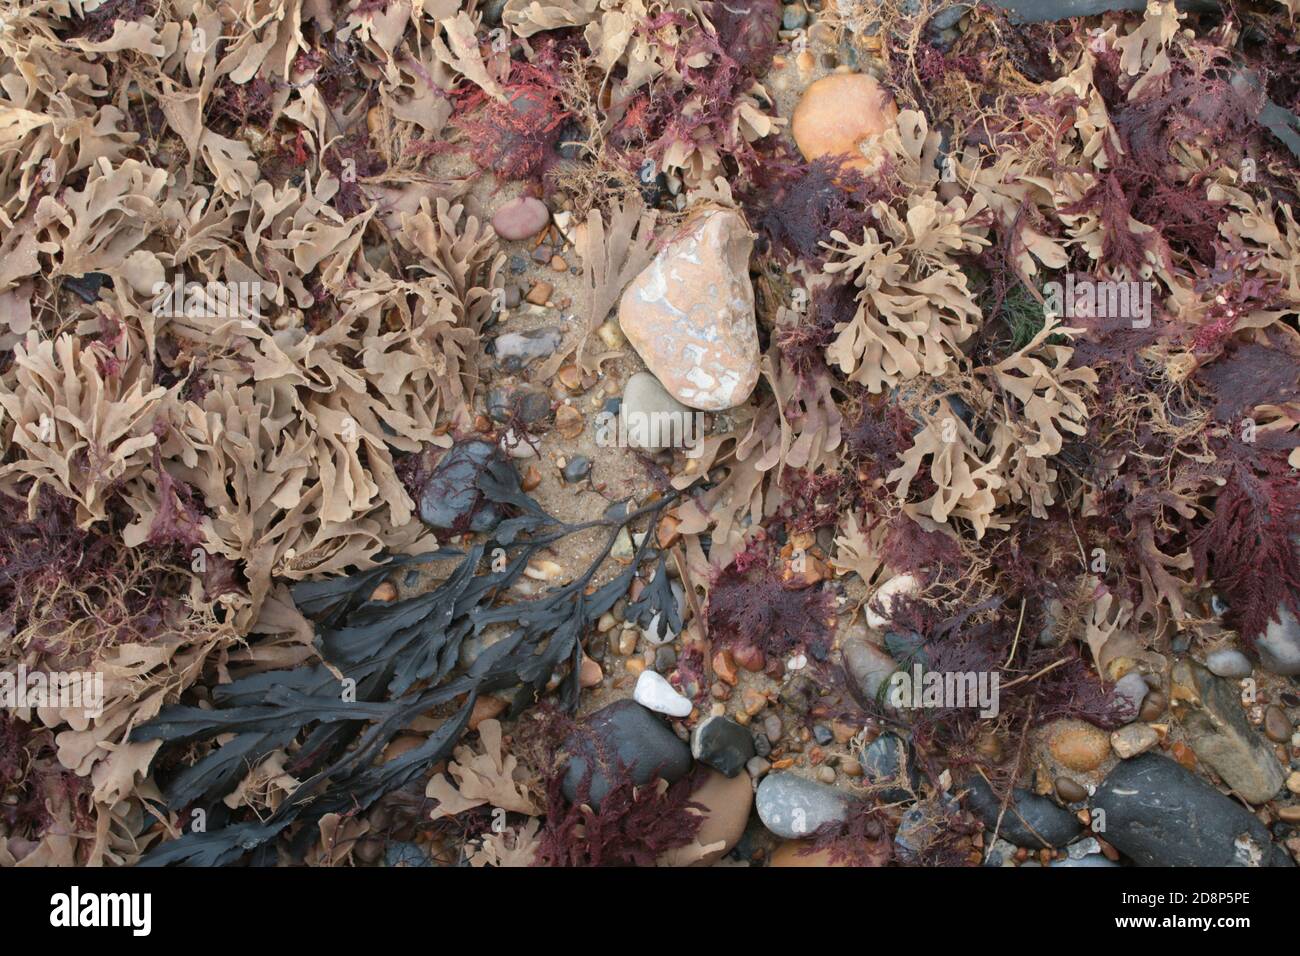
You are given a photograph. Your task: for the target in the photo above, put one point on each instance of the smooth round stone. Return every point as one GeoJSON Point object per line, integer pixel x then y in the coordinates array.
{"type": "Point", "coordinates": [1070, 791]}
{"type": "Point", "coordinates": [1276, 724]}
{"type": "Point", "coordinates": [1229, 663]}
{"type": "Point", "coordinates": [794, 807]}
{"type": "Point", "coordinates": [651, 418]}
{"type": "Point", "coordinates": [844, 115]}
{"type": "Point", "coordinates": [520, 218]}
{"type": "Point", "coordinates": [727, 802]}
{"type": "Point", "coordinates": [651, 631]}
{"type": "Point", "coordinates": [622, 735]}
{"type": "Point", "coordinates": [1078, 745]}
{"type": "Point", "coordinates": [655, 693]}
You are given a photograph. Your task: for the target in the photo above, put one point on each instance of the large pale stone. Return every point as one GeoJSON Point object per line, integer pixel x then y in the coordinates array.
{"type": "Point", "coordinates": [690, 313]}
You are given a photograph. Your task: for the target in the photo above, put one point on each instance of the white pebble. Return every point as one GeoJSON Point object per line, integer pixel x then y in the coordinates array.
{"type": "Point", "coordinates": [655, 693]}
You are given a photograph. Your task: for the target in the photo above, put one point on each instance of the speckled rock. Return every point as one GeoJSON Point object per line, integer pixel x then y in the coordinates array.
{"type": "Point", "coordinates": [1158, 814]}
{"type": "Point", "coordinates": [794, 807]}
{"type": "Point", "coordinates": [630, 736]}
{"type": "Point", "coordinates": [690, 313]}
{"type": "Point", "coordinates": [1077, 745]}
{"type": "Point", "coordinates": [1209, 708]}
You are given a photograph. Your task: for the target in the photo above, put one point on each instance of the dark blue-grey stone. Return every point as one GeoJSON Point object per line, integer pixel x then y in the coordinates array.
{"type": "Point", "coordinates": [1030, 821]}
{"type": "Point", "coordinates": [526, 403]}
{"type": "Point", "coordinates": [398, 853]}
{"type": "Point", "coordinates": [1159, 814]}
{"type": "Point", "coordinates": [576, 469]}
{"type": "Point", "coordinates": [882, 763]}
{"type": "Point", "coordinates": [623, 735]}
{"type": "Point", "coordinates": [450, 499]}
{"type": "Point", "coordinates": [721, 743]}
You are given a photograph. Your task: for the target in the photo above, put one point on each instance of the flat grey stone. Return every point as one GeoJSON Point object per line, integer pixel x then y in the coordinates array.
{"type": "Point", "coordinates": [794, 807]}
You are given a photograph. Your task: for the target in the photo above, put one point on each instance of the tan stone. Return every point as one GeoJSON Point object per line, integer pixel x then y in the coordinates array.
{"type": "Point", "coordinates": [727, 802]}
{"type": "Point", "coordinates": [1078, 745]}
{"type": "Point", "coordinates": [690, 313]}
{"type": "Point", "coordinates": [844, 115]}
{"type": "Point", "coordinates": [791, 853]}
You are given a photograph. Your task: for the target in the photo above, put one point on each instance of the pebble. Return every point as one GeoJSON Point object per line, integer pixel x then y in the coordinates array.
{"type": "Point", "coordinates": [450, 499]}
{"type": "Point", "coordinates": [1279, 647]}
{"type": "Point", "coordinates": [722, 744]}
{"type": "Point", "coordinates": [514, 350]}
{"type": "Point", "coordinates": [881, 603]}
{"type": "Point", "coordinates": [762, 744]}
{"type": "Point", "coordinates": [520, 218]}
{"type": "Point", "coordinates": [1209, 709]}
{"type": "Point", "coordinates": [651, 631]}
{"type": "Point", "coordinates": [524, 402]}
{"type": "Point", "coordinates": [724, 665]}
{"type": "Point", "coordinates": [1229, 663]}
{"type": "Point", "coordinates": [1077, 745]}
{"type": "Point", "coordinates": [726, 802]}
{"type": "Point", "coordinates": [650, 417]}
{"type": "Point", "coordinates": [1132, 740]}
{"type": "Point", "coordinates": [844, 115]}
{"type": "Point", "coordinates": [826, 774]}
{"type": "Point", "coordinates": [577, 468]}
{"type": "Point", "coordinates": [1159, 814]}
{"type": "Point", "coordinates": [882, 763]}
{"type": "Point", "coordinates": [629, 735]}
{"type": "Point", "coordinates": [1132, 690]}
{"type": "Point", "coordinates": [793, 17]}
{"type": "Point", "coordinates": [1070, 791]}
{"type": "Point", "coordinates": [655, 693]}
{"type": "Point", "coordinates": [1277, 726]}
{"type": "Point", "coordinates": [869, 666]}
{"type": "Point", "coordinates": [1030, 821]}
{"type": "Point", "coordinates": [1153, 707]}
{"type": "Point", "coordinates": [665, 659]}
{"type": "Point", "coordinates": [590, 674]}
{"type": "Point", "coordinates": [757, 767]}
{"type": "Point", "coordinates": [568, 421]}
{"type": "Point", "coordinates": [752, 701]}
{"type": "Point", "coordinates": [792, 807]}
{"type": "Point", "coordinates": [539, 293]}
{"type": "Point", "coordinates": [822, 734]}
{"type": "Point", "coordinates": [690, 313]}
